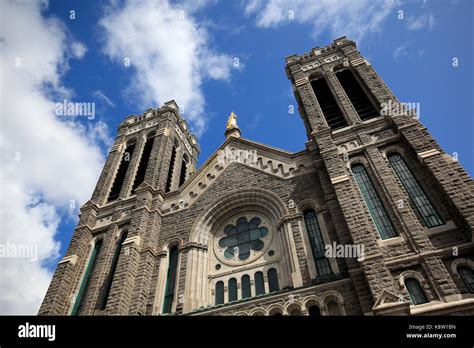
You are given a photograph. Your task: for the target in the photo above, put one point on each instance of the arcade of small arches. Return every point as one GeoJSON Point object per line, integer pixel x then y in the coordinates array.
{"type": "Point", "coordinates": [330, 303]}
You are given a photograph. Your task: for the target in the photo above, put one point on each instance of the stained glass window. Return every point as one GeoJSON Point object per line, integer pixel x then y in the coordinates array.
{"type": "Point", "coordinates": [317, 243]}
{"type": "Point", "coordinates": [273, 280]}
{"type": "Point", "coordinates": [416, 193]}
{"type": "Point", "coordinates": [259, 284]}
{"type": "Point", "coordinates": [468, 277]}
{"type": "Point", "coordinates": [242, 238]}
{"type": "Point", "coordinates": [417, 296]}
{"type": "Point", "coordinates": [171, 280]}
{"type": "Point", "coordinates": [246, 291]}
{"type": "Point", "coordinates": [372, 199]}
{"type": "Point", "coordinates": [232, 289]}
{"type": "Point", "coordinates": [219, 293]}
{"type": "Point", "coordinates": [87, 278]}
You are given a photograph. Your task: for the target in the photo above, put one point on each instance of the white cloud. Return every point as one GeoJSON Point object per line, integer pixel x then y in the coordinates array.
{"type": "Point", "coordinates": [169, 52]}
{"type": "Point", "coordinates": [78, 50]}
{"type": "Point", "coordinates": [418, 23]}
{"type": "Point", "coordinates": [46, 161]}
{"type": "Point", "coordinates": [354, 19]}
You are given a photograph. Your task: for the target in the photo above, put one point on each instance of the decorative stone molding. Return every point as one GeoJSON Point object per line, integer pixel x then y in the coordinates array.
{"type": "Point", "coordinates": [410, 274]}
{"type": "Point", "coordinates": [428, 153]}
{"type": "Point", "coordinates": [339, 179]}
{"type": "Point", "coordinates": [301, 82]}
{"type": "Point", "coordinates": [72, 259]}
{"type": "Point", "coordinates": [137, 240]}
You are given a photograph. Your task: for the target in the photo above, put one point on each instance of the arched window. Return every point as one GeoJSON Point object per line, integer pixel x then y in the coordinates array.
{"type": "Point", "coordinates": [417, 296]}
{"type": "Point", "coordinates": [142, 166]}
{"type": "Point", "coordinates": [356, 94]}
{"type": "Point", "coordinates": [317, 243]}
{"type": "Point", "coordinates": [170, 170]}
{"type": "Point", "coordinates": [81, 295]}
{"type": "Point", "coordinates": [273, 280]}
{"type": "Point", "coordinates": [113, 268]}
{"type": "Point", "coordinates": [246, 291]}
{"type": "Point", "coordinates": [373, 202]}
{"type": "Point", "coordinates": [416, 193]}
{"type": "Point", "coordinates": [182, 174]}
{"type": "Point", "coordinates": [467, 277]}
{"type": "Point", "coordinates": [314, 311]}
{"type": "Point", "coordinates": [333, 308]}
{"type": "Point", "coordinates": [171, 280]}
{"type": "Point", "coordinates": [328, 104]}
{"type": "Point", "coordinates": [232, 289]}
{"type": "Point", "coordinates": [121, 172]}
{"type": "Point", "coordinates": [219, 293]}
{"type": "Point", "coordinates": [259, 284]}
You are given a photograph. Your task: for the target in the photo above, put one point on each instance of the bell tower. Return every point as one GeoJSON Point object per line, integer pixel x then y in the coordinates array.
{"type": "Point", "coordinates": [153, 155]}
{"type": "Point", "coordinates": [394, 184]}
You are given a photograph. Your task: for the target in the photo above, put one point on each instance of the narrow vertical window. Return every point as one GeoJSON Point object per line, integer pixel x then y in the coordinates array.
{"type": "Point", "coordinates": [113, 268]}
{"type": "Point", "coordinates": [219, 293]}
{"type": "Point", "coordinates": [417, 195]}
{"type": "Point", "coordinates": [170, 170]}
{"type": "Point", "coordinates": [182, 174]}
{"type": "Point", "coordinates": [81, 295]}
{"type": "Point", "coordinates": [328, 104]}
{"type": "Point", "coordinates": [121, 172]}
{"type": "Point", "coordinates": [232, 289]}
{"type": "Point", "coordinates": [259, 284]}
{"type": "Point", "coordinates": [317, 243]}
{"type": "Point", "coordinates": [171, 280]}
{"type": "Point", "coordinates": [417, 296]}
{"type": "Point", "coordinates": [373, 202]}
{"type": "Point", "coordinates": [142, 166]}
{"type": "Point", "coordinates": [467, 277]}
{"type": "Point", "coordinates": [246, 291]}
{"type": "Point", "coordinates": [273, 280]}
{"type": "Point", "coordinates": [356, 94]}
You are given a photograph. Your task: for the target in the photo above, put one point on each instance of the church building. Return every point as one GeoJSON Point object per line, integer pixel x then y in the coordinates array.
{"type": "Point", "coordinates": [371, 218]}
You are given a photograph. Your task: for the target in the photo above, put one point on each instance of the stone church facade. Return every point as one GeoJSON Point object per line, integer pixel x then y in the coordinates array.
{"type": "Point", "coordinates": [249, 232]}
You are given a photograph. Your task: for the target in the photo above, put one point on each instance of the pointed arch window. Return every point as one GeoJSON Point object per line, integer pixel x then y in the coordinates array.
{"type": "Point", "coordinates": [467, 276]}
{"type": "Point", "coordinates": [142, 166]}
{"type": "Point", "coordinates": [317, 243]}
{"type": "Point", "coordinates": [259, 284]}
{"type": "Point", "coordinates": [232, 289]}
{"type": "Point", "coordinates": [358, 97]}
{"type": "Point", "coordinates": [273, 280]}
{"type": "Point", "coordinates": [417, 295]}
{"type": "Point", "coordinates": [170, 170]}
{"type": "Point", "coordinates": [113, 268]}
{"type": "Point", "coordinates": [415, 192]}
{"type": "Point", "coordinates": [219, 293]}
{"type": "Point", "coordinates": [331, 111]}
{"type": "Point", "coordinates": [121, 172]}
{"type": "Point", "coordinates": [246, 291]}
{"type": "Point", "coordinates": [81, 295]}
{"type": "Point", "coordinates": [171, 280]}
{"type": "Point", "coordinates": [372, 200]}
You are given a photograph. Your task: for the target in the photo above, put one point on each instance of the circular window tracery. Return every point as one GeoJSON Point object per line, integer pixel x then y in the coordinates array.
{"type": "Point", "coordinates": [242, 239]}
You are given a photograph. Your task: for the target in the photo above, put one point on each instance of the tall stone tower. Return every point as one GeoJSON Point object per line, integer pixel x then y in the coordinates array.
{"type": "Point", "coordinates": [257, 230]}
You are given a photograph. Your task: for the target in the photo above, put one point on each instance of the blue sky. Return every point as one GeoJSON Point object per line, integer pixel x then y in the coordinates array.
{"type": "Point", "coordinates": [187, 51]}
